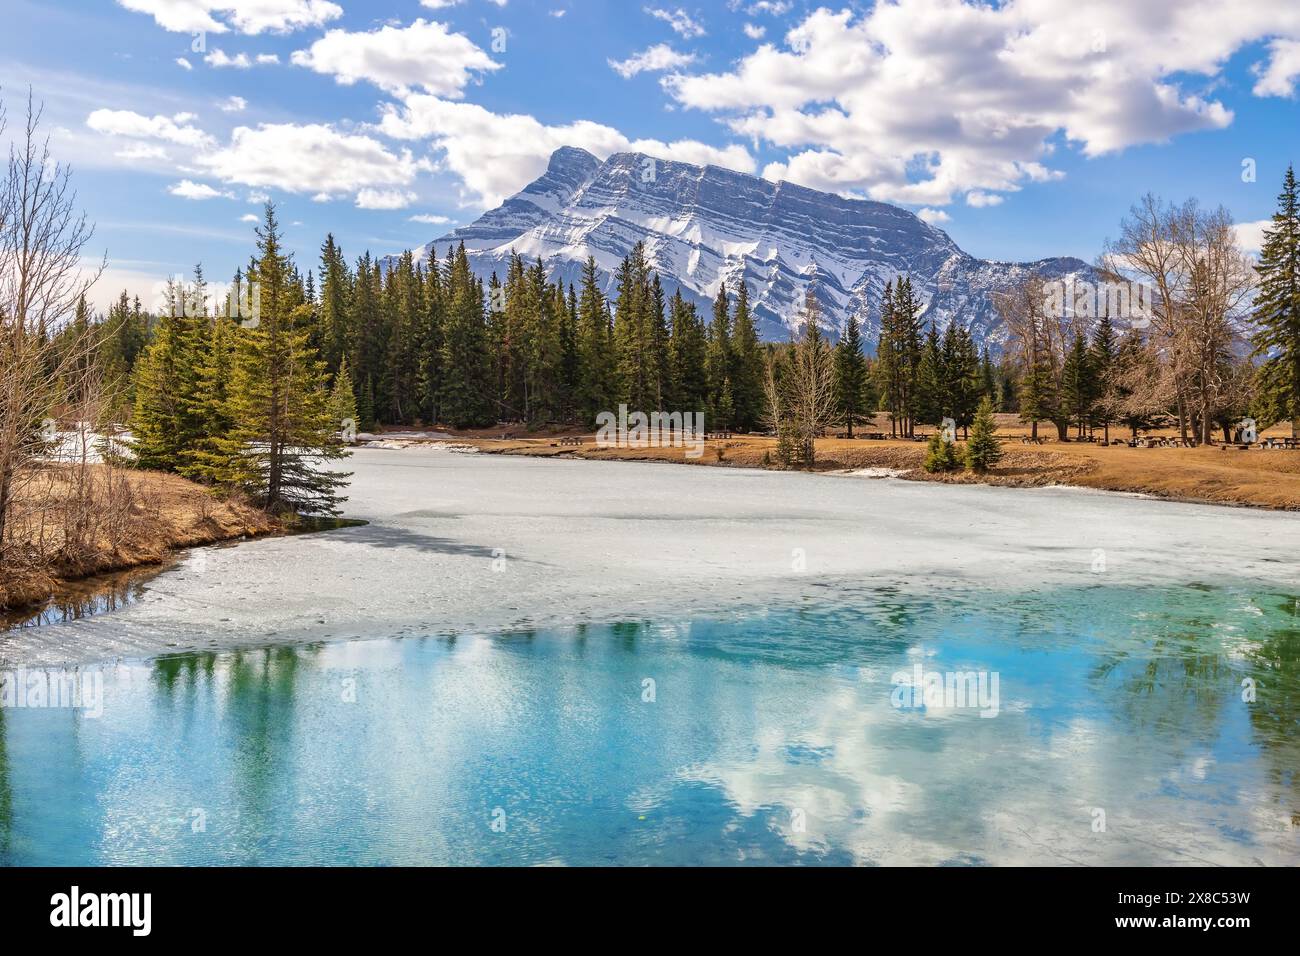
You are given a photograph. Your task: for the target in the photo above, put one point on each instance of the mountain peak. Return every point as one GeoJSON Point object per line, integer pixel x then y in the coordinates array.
{"type": "Point", "coordinates": [706, 225]}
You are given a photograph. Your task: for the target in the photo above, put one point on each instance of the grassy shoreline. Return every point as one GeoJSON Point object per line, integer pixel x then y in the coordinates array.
{"type": "Point", "coordinates": [1268, 480]}
{"type": "Point", "coordinates": [166, 513]}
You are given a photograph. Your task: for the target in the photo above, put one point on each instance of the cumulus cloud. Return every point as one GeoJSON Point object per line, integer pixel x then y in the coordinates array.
{"type": "Point", "coordinates": [384, 199]}
{"type": "Point", "coordinates": [1250, 235]}
{"type": "Point", "coordinates": [496, 155]}
{"type": "Point", "coordinates": [176, 129]}
{"type": "Point", "coordinates": [1277, 76]}
{"type": "Point", "coordinates": [423, 56]}
{"type": "Point", "coordinates": [431, 220]}
{"type": "Point", "coordinates": [655, 59]}
{"type": "Point", "coordinates": [187, 189]}
{"type": "Point", "coordinates": [244, 16]}
{"type": "Point", "coordinates": [313, 158]}
{"type": "Point", "coordinates": [932, 215]}
{"type": "Point", "coordinates": [924, 101]}
{"type": "Point", "coordinates": [233, 104]}
{"type": "Point", "coordinates": [219, 59]}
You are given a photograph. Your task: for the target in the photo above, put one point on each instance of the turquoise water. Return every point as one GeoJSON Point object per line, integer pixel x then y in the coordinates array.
{"type": "Point", "coordinates": [768, 738]}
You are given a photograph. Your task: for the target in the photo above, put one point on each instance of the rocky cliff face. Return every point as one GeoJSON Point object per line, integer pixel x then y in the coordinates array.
{"type": "Point", "coordinates": [706, 225]}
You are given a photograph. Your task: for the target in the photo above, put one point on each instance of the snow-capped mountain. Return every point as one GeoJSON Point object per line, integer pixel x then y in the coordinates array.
{"type": "Point", "coordinates": [703, 225]}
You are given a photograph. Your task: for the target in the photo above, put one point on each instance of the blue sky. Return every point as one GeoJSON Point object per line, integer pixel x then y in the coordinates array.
{"type": "Point", "coordinates": [1024, 130]}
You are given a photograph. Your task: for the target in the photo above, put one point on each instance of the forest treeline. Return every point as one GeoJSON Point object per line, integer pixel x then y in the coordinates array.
{"type": "Point", "coordinates": [426, 342]}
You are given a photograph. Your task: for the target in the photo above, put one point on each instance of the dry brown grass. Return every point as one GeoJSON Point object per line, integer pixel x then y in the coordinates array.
{"type": "Point", "coordinates": [136, 518]}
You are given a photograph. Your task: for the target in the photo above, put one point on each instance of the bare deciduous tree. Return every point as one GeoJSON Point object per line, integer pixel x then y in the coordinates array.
{"type": "Point", "coordinates": [42, 277]}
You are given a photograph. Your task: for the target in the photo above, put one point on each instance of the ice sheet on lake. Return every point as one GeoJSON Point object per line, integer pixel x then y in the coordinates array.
{"type": "Point", "coordinates": [472, 543]}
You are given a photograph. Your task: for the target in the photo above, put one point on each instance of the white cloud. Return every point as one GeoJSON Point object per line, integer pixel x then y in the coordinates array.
{"type": "Point", "coordinates": [424, 55]}
{"type": "Point", "coordinates": [653, 60]}
{"type": "Point", "coordinates": [440, 4]}
{"type": "Point", "coordinates": [234, 104]}
{"type": "Point", "coordinates": [981, 200]}
{"type": "Point", "coordinates": [431, 220]}
{"type": "Point", "coordinates": [496, 155]}
{"type": "Point", "coordinates": [384, 199]}
{"type": "Point", "coordinates": [679, 20]}
{"type": "Point", "coordinates": [188, 189]}
{"type": "Point", "coordinates": [774, 8]}
{"type": "Point", "coordinates": [249, 217]}
{"type": "Point", "coordinates": [245, 16]}
{"type": "Point", "coordinates": [922, 101]}
{"type": "Point", "coordinates": [933, 215]}
{"type": "Point", "coordinates": [171, 129]}
{"type": "Point", "coordinates": [1278, 77]}
{"type": "Point", "coordinates": [184, 64]}
{"type": "Point", "coordinates": [219, 59]}
{"type": "Point", "coordinates": [1250, 235]}
{"type": "Point", "coordinates": [313, 159]}
{"type": "Point", "coordinates": [754, 31]}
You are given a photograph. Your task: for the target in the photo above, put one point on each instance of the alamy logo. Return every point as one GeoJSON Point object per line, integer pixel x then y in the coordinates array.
{"type": "Point", "coordinates": [936, 690]}
{"type": "Point", "coordinates": [103, 909]}
{"type": "Point", "coordinates": [53, 688]}
{"type": "Point", "coordinates": [1132, 302]}
{"type": "Point", "coordinates": [656, 430]}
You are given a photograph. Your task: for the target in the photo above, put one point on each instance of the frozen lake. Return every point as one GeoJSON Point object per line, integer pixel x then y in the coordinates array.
{"type": "Point", "coordinates": [565, 662]}
{"type": "Point", "coordinates": [462, 543]}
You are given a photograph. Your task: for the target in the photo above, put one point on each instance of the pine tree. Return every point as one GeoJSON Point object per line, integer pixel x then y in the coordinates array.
{"type": "Point", "coordinates": [747, 363]}
{"type": "Point", "coordinates": [162, 422]}
{"type": "Point", "coordinates": [724, 409]}
{"type": "Point", "coordinates": [466, 395]}
{"type": "Point", "coordinates": [595, 348]}
{"type": "Point", "coordinates": [940, 454]}
{"type": "Point", "coordinates": [851, 381]}
{"type": "Point", "coordinates": [281, 424]}
{"type": "Point", "coordinates": [1277, 312]}
{"type": "Point", "coordinates": [343, 401]}
{"type": "Point", "coordinates": [983, 450]}
{"type": "Point", "coordinates": [688, 350]}
{"type": "Point", "coordinates": [718, 356]}
{"type": "Point", "coordinates": [1078, 384]}
{"type": "Point", "coordinates": [1105, 350]}
{"type": "Point", "coordinates": [931, 398]}
{"type": "Point", "coordinates": [202, 459]}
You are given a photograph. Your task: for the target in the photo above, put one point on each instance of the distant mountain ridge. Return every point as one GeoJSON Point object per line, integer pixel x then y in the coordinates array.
{"type": "Point", "coordinates": [703, 225]}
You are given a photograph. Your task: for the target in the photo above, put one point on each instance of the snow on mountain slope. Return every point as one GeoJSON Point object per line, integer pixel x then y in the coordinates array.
{"type": "Point", "coordinates": [703, 224]}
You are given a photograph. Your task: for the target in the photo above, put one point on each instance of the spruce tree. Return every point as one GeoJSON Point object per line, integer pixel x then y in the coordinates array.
{"type": "Point", "coordinates": [466, 396]}
{"type": "Point", "coordinates": [983, 450]}
{"type": "Point", "coordinates": [747, 363]}
{"type": "Point", "coordinates": [1277, 312]}
{"type": "Point", "coordinates": [281, 424]}
{"type": "Point", "coordinates": [931, 400]}
{"type": "Point", "coordinates": [343, 401]}
{"type": "Point", "coordinates": [940, 454]}
{"type": "Point", "coordinates": [595, 348]}
{"type": "Point", "coordinates": [1104, 352]}
{"type": "Point", "coordinates": [688, 350]}
{"type": "Point", "coordinates": [718, 356]}
{"type": "Point", "coordinates": [851, 382]}
{"type": "Point", "coordinates": [1078, 384]}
